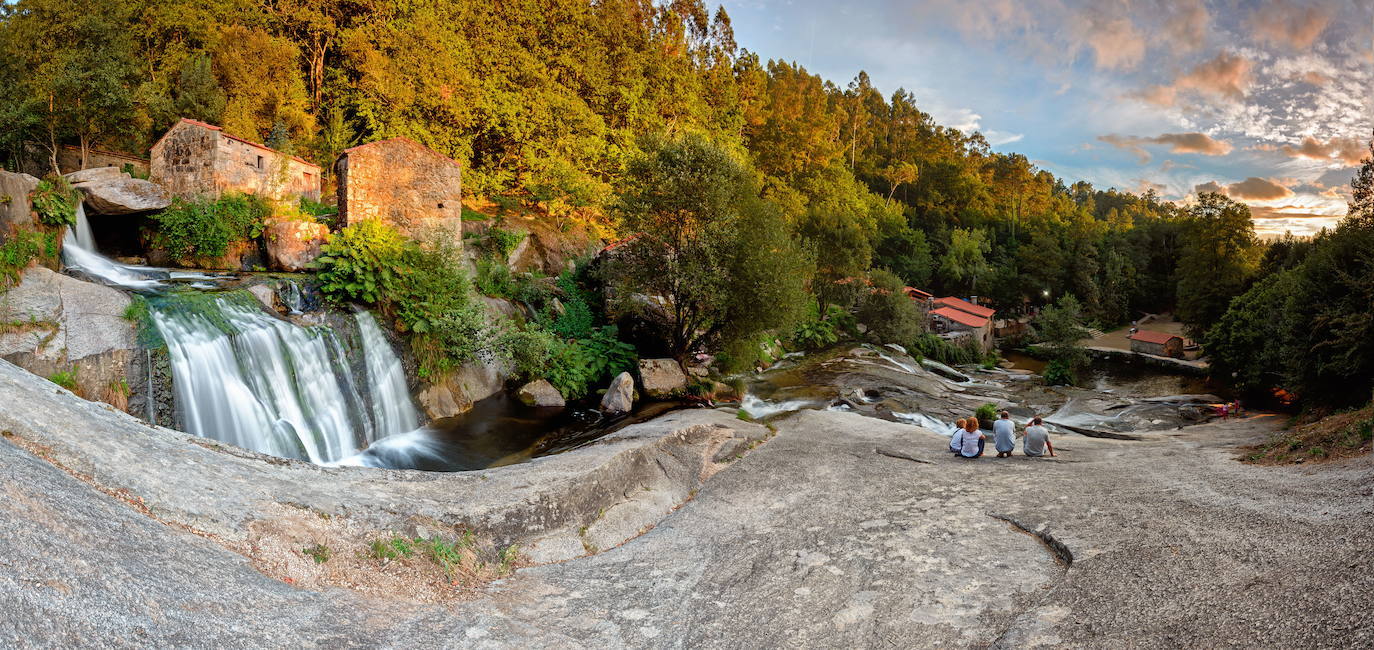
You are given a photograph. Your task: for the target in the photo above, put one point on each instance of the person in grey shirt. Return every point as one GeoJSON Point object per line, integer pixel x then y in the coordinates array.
{"type": "Point", "coordinates": [1037, 439]}
{"type": "Point", "coordinates": [1004, 435]}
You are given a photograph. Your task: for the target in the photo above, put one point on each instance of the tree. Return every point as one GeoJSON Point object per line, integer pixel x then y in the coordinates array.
{"type": "Point", "coordinates": [1217, 261]}
{"type": "Point", "coordinates": [1060, 330]}
{"type": "Point", "coordinates": [717, 255]}
{"type": "Point", "coordinates": [965, 260]}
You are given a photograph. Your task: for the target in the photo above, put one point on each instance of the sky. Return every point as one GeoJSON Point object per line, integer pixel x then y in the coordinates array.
{"type": "Point", "coordinates": [1270, 102]}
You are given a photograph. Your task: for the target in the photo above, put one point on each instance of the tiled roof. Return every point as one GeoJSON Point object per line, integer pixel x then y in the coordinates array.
{"type": "Point", "coordinates": [1150, 336]}
{"type": "Point", "coordinates": [231, 136]}
{"type": "Point", "coordinates": [965, 306]}
{"type": "Point", "coordinates": [913, 292]}
{"type": "Point", "coordinates": [961, 317]}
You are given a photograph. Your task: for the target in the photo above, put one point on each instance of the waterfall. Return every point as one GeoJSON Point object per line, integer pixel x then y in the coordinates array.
{"type": "Point", "coordinates": [392, 410]}
{"type": "Point", "coordinates": [78, 251]}
{"type": "Point", "coordinates": [250, 379]}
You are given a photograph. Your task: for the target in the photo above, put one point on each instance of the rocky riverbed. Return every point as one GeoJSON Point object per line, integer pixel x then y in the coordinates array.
{"type": "Point", "coordinates": [843, 527]}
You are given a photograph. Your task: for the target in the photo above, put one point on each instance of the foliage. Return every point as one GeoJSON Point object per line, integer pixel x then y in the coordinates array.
{"type": "Point", "coordinates": [360, 262]}
{"type": "Point", "coordinates": [315, 209]}
{"type": "Point", "coordinates": [64, 378]}
{"type": "Point", "coordinates": [318, 552]}
{"type": "Point", "coordinates": [814, 335]}
{"type": "Point", "coordinates": [573, 366]}
{"type": "Point", "coordinates": [718, 255]}
{"type": "Point", "coordinates": [931, 346]}
{"type": "Point", "coordinates": [500, 243]}
{"type": "Point", "coordinates": [21, 249]}
{"type": "Point", "coordinates": [1059, 373]}
{"type": "Point", "coordinates": [139, 312]}
{"type": "Point", "coordinates": [986, 414]}
{"type": "Point", "coordinates": [1060, 330]}
{"type": "Point", "coordinates": [890, 315]}
{"type": "Point", "coordinates": [965, 260]}
{"type": "Point", "coordinates": [55, 201]}
{"type": "Point", "coordinates": [391, 549]}
{"type": "Point", "coordinates": [1217, 261]}
{"type": "Point", "coordinates": [205, 227]}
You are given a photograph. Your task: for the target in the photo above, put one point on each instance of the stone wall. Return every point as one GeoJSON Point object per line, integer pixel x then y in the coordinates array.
{"type": "Point", "coordinates": [36, 161]}
{"type": "Point", "coordinates": [15, 208]}
{"type": "Point", "coordinates": [403, 183]}
{"type": "Point", "coordinates": [195, 159]}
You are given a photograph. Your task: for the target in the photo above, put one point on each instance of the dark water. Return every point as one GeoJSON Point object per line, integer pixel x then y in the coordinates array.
{"type": "Point", "coordinates": [1130, 379]}
{"type": "Point", "coordinates": [500, 430]}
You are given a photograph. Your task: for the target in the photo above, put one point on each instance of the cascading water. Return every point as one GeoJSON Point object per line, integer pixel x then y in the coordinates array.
{"type": "Point", "coordinates": [247, 378]}
{"type": "Point", "coordinates": [78, 251]}
{"type": "Point", "coordinates": [392, 410]}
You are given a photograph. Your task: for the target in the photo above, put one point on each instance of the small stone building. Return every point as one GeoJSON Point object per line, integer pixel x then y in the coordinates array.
{"type": "Point", "coordinates": [1160, 344]}
{"type": "Point", "coordinates": [198, 159]}
{"type": "Point", "coordinates": [403, 183]}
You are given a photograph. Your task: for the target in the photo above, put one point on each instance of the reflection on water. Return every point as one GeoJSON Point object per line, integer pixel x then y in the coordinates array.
{"type": "Point", "coordinates": [497, 431]}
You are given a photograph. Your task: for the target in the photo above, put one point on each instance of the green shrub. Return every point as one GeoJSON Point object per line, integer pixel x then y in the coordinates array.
{"type": "Point", "coordinates": [361, 262]}
{"type": "Point", "coordinates": [1059, 373]}
{"type": "Point", "coordinates": [64, 378]}
{"type": "Point", "coordinates": [25, 246]}
{"type": "Point", "coordinates": [573, 366]}
{"type": "Point", "coordinates": [814, 335]}
{"type": "Point", "coordinates": [55, 201]}
{"type": "Point", "coordinates": [133, 172]}
{"type": "Point", "coordinates": [204, 228]}
{"type": "Point", "coordinates": [500, 242]}
{"type": "Point", "coordinates": [890, 315]}
{"type": "Point", "coordinates": [318, 552]}
{"type": "Point", "coordinates": [931, 346]}
{"type": "Point", "coordinates": [315, 209]}
{"type": "Point", "coordinates": [986, 413]}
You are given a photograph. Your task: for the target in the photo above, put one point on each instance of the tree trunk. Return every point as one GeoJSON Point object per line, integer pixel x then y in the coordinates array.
{"type": "Point", "coordinates": [85, 151]}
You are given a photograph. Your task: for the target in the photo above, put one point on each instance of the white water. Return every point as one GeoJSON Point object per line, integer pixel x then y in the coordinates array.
{"type": "Point", "coordinates": [757, 408]}
{"type": "Point", "coordinates": [78, 251]}
{"type": "Point", "coordinates": [392, 409]}
{"type": "Point", "coordinates": [270, 386]}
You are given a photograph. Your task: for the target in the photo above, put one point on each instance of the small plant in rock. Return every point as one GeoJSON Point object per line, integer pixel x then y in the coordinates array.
{"type": "Point", "coordinates": [55, 201]}
{"type": "Point", "coordinates": [986, 414]}
{"type": "Point", "coordinates": [64, 378]}
{"type": "Point", "coordinates": [507, 559]}
{"type": "Point", "coordinates": [318, 552]}
{"type": "Point", "coordinates": [391, 549]}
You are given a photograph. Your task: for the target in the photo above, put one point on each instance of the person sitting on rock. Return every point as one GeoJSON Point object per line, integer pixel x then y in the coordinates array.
{"type": "Point", "coordinates": [956, 437]}
{"type": "Point", "coordinates": [1037, 440]}
{"type": "Point", "coordinates": [1004, 435]}
{"type": "Point", "coordinates": [972, 439]}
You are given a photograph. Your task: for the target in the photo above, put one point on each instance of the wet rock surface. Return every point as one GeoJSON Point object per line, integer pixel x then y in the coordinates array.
{"type": "Point", "coordinates": [810, 539]}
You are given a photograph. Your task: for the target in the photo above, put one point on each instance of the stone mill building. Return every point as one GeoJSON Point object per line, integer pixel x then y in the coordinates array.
{"type": "Point", "coordinates": [198, 159]}
{"type": "Point", "coordinates": [403, 183]}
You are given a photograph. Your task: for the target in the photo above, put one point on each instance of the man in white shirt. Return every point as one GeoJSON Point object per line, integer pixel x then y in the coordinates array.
{"type": "Point", "coordinates": [1037, 440]}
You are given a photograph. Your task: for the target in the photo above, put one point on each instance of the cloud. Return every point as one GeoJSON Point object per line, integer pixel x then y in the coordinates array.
{"type": "Point", "coordinates": [998, 138]}
{"type": "Point", "coordinates": [1257, 189]}
{"type": "Point", "coordinates": [1187, 28]}
{"type": "Point", "coordinates": [1281, 23]}
{"type": "Point", "coordinates": [1227, 75]}
{"type": "Point", "coordinates": [1198, 143]}
{"type": "Point", "coordinates": [1114, 40]}
{"type": "Point", "coordinates": [1143, 185]}
{"type": "Point", "coordinates": [1349, 151]}
{"type": "Point", "coordinates": [1209, 187]}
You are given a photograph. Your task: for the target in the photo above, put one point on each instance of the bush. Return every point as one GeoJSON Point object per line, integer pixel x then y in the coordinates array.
{"type": "Point", "coordinates": [25, 246]}
{"type": "Point", "coordinates": [55, 201]}
{"type": "Point", "coordinates": [572, 366]}
{"type": "Point", "coordinates": [423, 291]}
{"type": "Point", "coordinates": [933, 347]}
{"type": "Point", "coordinates": [814, 335]}
{"type": "Point", "coordinates": [500, 243]}
{"type": "Point", "coordinates": [891, 316]}
{"type": "Point", "coordinates": [986, 414]}
{"type": "Point", "coordinates": [1059, 373]}
{"type": "Point", "coordinates": [64, 378]}
{"type": "Point", "coordinates": [204, 228]}
{"type": "Point", "coordinates": [316, 209]}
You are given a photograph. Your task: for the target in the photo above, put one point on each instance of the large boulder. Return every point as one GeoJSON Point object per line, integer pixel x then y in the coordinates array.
{"type": "Point", "coordinates": [662, 378]}
{"type": "Point", "coordinates": [59, 324]}
{"type": "Point", "coordinates": [540, 393]}
{"type": "Point", "coordinates": [293, 243]}
{"type": "Point", "coordinates": [620, 396]}
{"type": "Point", "coordinates": [15, 209]}
{"type": "Point", "coordinates": [110, 191]}
{"type": "Point", "coordinates": [454, 393]}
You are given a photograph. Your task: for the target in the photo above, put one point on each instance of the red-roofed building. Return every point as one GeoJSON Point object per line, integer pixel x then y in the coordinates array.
{"type": "Point", "coordinates": [918, 295]}
{"type": "Point", "coordinates": [955, 323]}
{"type": "Point", "coordinates": [197, 159]}
{"type": "Point", "coordinates": [964, 306]}
{"type": "Point", "coordinates": [955, 318]}
{"type": "Point", "coordinates": [1160, 344]}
